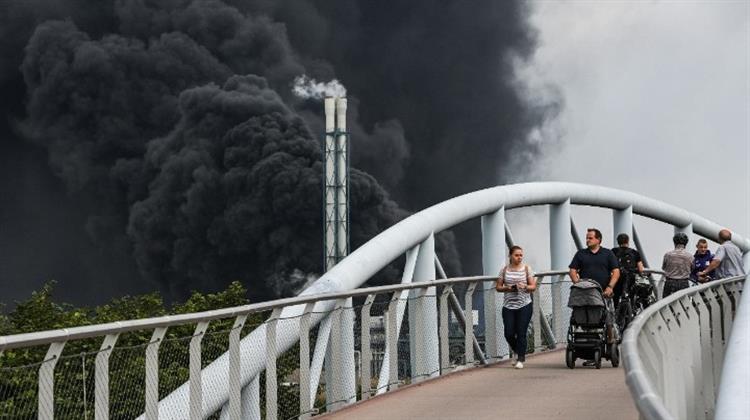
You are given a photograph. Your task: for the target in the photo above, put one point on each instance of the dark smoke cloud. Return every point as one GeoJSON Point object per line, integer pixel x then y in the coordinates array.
{"type": "Point", "coordinates": [172, 125]}
{"type": "Point", "coordinates": [445, 71]}
{"type": "Point", "coordinates": [238, 193]}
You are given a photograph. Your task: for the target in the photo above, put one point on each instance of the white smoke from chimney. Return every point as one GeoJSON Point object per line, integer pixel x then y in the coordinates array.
{"type": "Point", "coordinates": [309, 88]}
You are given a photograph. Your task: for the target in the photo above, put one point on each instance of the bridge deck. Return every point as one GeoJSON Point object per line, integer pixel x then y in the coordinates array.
{"type": "Point", "coordinates": [544, 389]}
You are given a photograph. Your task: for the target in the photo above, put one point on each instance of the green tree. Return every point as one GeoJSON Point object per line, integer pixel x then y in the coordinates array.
{"type": "Point", "coordinates": [74, 373]}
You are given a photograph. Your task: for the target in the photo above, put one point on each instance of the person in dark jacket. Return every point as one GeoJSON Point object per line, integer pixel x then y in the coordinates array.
{"type": "Point", "coordinates": [701, 260]}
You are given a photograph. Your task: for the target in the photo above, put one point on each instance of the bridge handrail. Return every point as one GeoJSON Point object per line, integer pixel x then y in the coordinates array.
{"type": "Point", "coordinates": [734, 395]}
{"type": "Point", "coordinates": [99, 330]}
{"type": "Point", "coordinates": [646, 395]}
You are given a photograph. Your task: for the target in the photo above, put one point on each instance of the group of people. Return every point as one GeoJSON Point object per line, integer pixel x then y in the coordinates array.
{"type": "Point", "coordinates": [680, 266]}
{"type": "Point", "coordinates": [613, 270]}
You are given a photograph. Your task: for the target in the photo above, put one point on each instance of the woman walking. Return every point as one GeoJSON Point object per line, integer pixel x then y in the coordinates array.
{"type": "Point", "coordinates": [517, 282]}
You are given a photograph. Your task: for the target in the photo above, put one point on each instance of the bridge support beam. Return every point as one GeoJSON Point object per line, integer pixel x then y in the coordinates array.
{"type": "Point", "coordinates": [423, 323]}
{"type": "Point", "coordinates": [493, 258]}
{"type": "Point", "coordinates": [622, 222]}
{"type": "Point", "coordinates": [560, 255]}
{"type": "Point", "coordinates": [687, 229]}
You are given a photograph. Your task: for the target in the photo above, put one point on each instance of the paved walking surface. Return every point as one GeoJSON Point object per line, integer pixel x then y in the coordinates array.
{"type": "Point", "coordinates": [544, 389]}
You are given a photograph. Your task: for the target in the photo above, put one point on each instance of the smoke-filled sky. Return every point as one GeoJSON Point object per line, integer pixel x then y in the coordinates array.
{"type": "Point", "coordinates": [157, 145]}
{"type": "Point", "coordinates": [657, 101]}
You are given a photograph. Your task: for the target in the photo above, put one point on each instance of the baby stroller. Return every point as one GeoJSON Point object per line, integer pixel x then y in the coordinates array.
{"type": "Point", "coordinates": [592, 334]}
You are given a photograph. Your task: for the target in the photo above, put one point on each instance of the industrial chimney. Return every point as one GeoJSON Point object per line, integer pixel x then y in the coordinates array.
{"type": "Point", "coordinates": [336, 191]}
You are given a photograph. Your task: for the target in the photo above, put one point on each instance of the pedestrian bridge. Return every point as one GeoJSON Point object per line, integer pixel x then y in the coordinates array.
{"type": "Point", "coordinates": [338, 344]}
{"type": "Point", "coordinates": [544, 389]}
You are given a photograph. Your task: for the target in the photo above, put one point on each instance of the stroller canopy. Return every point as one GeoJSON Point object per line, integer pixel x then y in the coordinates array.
{"type": "Point", "coordinates": [585, 293]}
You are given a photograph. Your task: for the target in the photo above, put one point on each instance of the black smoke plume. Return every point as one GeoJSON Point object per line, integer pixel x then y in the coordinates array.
{"type": "Point", "coordinates": [179, 157]}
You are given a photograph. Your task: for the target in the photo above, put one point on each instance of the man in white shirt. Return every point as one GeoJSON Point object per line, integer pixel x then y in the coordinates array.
{"type": "Point", "coordinates": [727, 261]}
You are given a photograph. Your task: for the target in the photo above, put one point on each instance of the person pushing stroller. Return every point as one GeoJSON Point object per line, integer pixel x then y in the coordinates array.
{"type": "Point", "coordinates": [595, 263]}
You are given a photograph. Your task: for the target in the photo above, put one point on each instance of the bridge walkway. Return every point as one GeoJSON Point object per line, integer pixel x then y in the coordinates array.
{"type": "Point", "coordinates": [544, 389]}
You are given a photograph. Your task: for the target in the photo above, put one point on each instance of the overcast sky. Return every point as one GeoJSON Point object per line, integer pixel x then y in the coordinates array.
{"type": "Point", "coordinates": [656, 100]}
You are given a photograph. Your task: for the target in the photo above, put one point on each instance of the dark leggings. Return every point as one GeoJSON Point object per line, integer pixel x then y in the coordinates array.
{"type": "Point", "coordinates": [671, 286]}
{"type": "Point", "coordinates": [516, 323]}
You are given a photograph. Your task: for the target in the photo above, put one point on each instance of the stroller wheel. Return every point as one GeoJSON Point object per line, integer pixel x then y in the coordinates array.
{"type": "Point", "coordinates": [570, 358]}
{"type": "Point", "coordinates": [598, 358]}
{"type": "Point", "coordinates": [614, 355]}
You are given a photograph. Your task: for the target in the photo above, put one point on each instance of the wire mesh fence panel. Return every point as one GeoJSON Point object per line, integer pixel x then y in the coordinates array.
{"type": "Point", "coordinates": [287, 374]}
{"type": "Point", "coordinates": [215, 343]}
{"type": "Point", "coordinates": [287, 380]}
{"type": "Point", "coordinates": [404, 353]}
{"type": "Point", "coordinates": [377, 341]}
{"type": "Point", "coordinates": [127, 373]}
{"type": "Point", "coordinates": [174, 364]}
{"type": "Point", "coordinates": [74, 386]}
{"type": "Point", "coordinates": [19, 391]}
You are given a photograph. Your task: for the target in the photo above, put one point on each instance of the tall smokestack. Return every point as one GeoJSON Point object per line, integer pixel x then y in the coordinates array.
{"type": "Point", "coordinates": [336, 191]}
{"type": "Point", "coordinates": [342, 178]}
{"type": "Point", "coordinates": [329, 199]}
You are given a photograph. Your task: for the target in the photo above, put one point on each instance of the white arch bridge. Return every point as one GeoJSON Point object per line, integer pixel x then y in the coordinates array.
{"type": "Point", "coordinates": [337, 344]}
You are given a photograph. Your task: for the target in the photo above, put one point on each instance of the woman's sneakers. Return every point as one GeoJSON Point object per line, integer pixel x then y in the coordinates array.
{"type": "Point", "coordinates": [518, 365]}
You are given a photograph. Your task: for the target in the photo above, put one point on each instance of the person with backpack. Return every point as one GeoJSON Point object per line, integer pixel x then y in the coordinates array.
{"type": "Point", "coordinates": [517, 282]}
{"type": "Point", "coordinates": [631, 264]}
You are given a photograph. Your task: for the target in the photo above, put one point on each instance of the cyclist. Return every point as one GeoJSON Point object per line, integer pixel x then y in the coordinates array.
{"type": "Point", "coordinates": [630, 263]}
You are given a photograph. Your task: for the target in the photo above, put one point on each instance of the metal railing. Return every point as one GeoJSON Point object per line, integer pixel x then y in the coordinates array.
{"type": "Point", "coordinates": [83, 384]}
{"type": "Point", "coordinates": [673, 352]}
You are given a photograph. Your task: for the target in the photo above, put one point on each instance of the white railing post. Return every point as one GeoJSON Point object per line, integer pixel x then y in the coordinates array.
{"type": "Point", "coordinates": [469, 328]}
{"type": "Point", "coordinates": [341, 389]}
{"type": "Point", "coordinates": [235, 367]}
{"type": "Point", "coordinates": [392, 323]}
{"type": "Point", "coordinates": [365, 348]}
{"type": "Point", "coordinates": [560, 256]}
{"type": "Point", "coordinates": [536, 316]}
{"type": "Point", "coordinates": [196, 386]}
{"type": "Point", "coordinates": [101, 379]}
{"type": "Point", "coordinates": [271, 355]}
{"type": "Point", "coordinates": [423, 328]}
{"type": "Point", "coordinates": [493, 259]}
{"type": "Point", "coordinates": [445, 364]}
{"type": "Point", "coordinates": [152, 373]}
{"type": "Point", "coordinates": [305, 400]}
{"type": "Point", "coordinates": [46, 399]}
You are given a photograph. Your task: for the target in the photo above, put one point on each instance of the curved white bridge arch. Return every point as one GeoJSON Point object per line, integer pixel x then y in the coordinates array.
{"type": "Point", "coordinates": [403, 237]}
